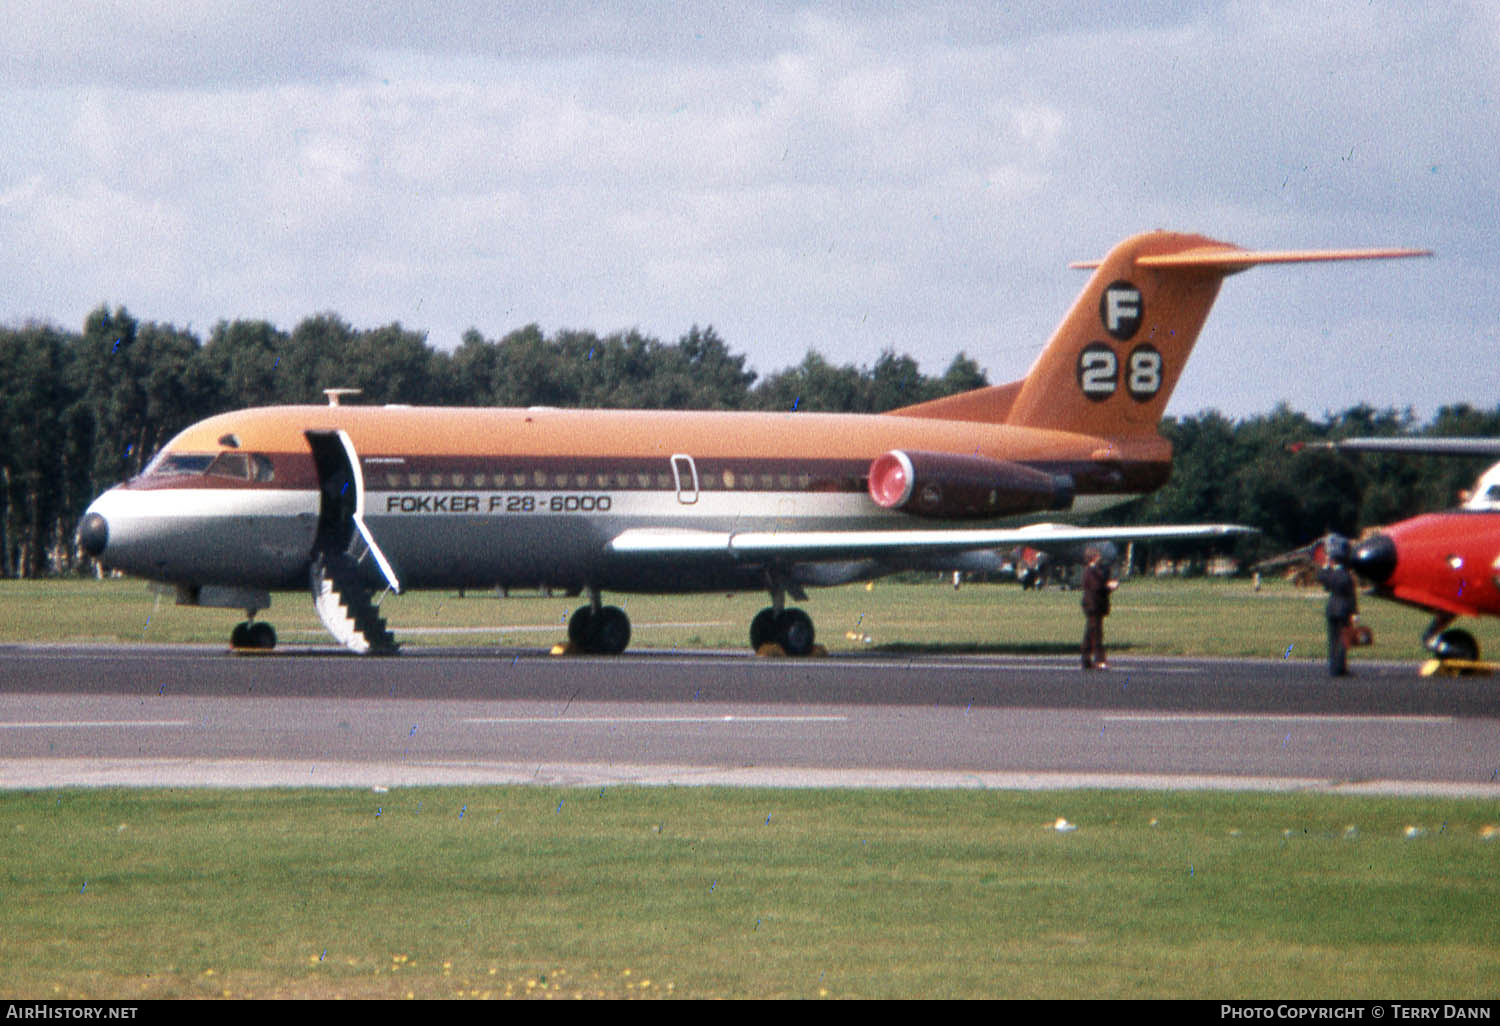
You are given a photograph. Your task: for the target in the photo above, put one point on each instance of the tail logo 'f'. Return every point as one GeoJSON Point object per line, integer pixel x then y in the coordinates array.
{"type": "Point", "coordinates": [1120, 310]}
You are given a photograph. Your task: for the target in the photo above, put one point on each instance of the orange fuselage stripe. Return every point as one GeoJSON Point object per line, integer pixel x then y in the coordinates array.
{"type": "Point", "coordinates": [443, 431]}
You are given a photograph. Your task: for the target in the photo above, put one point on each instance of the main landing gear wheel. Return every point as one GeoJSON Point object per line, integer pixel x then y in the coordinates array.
{"type": "Point", "coordinates": [1456, 644]}
{"type": "Point", "coordinates": [792, 629]}
{"type": "Point", "coordinates": [602, 632]}
{"type": "Point", "coordinates": [253, 634]}
{"type": "Point", "coordinates": [763, 628]}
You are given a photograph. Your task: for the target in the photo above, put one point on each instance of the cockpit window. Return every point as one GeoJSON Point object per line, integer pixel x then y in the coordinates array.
{"type": "Point", "coordinates": [230, 464]}
{"type": "Point", "coordinates": [237, 466]}
{"type": "Point", "coordinates": [180, 464]}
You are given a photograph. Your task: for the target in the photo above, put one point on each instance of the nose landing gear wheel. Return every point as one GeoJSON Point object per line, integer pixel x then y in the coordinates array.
{"type": "Point", "coordinates": [1456, 644]}
{"type": "Point", "coordinates": [253, 635]}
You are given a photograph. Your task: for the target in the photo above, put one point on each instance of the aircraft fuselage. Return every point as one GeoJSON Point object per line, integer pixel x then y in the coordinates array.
{"type": "Point", "coordinates": [515, 497]}
{"type": "Point", "coordinates": [1446, 562]}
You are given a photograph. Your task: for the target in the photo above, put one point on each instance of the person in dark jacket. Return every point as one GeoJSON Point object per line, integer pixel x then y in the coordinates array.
{"type": "Point", "coordinates": [1342, 605]}
{"type": "Point", "coordinates": [1096, 588]}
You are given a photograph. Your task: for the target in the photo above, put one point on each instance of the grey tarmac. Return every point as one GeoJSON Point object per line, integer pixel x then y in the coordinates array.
{"type": "Point", "coordinates": [179, 716]}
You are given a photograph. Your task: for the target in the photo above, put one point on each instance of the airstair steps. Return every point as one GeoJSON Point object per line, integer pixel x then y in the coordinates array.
{"type": "Point", "coordinates": [346, 606]}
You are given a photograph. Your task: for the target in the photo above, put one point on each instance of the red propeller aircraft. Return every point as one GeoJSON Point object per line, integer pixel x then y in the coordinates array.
{"type": "Point", "coordinates": [350, 499]}
{"type": "Point", "coordinates": [1447, 563]}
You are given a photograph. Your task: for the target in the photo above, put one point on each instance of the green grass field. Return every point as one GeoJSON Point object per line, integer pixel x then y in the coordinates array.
{"type": "Point", "coordinates": [710, 892]}
{"type": "Point", "coordinates": [684, 892]}
{"type": "Point", "coordinates": [1153, 617]}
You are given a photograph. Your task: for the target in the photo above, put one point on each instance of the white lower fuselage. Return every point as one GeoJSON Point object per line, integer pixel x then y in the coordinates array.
{"type": "Point", "coordinates": [476, 538]}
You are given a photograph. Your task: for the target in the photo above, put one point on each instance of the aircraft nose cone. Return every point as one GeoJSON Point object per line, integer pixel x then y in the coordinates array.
{"type": "Point", "coordinates": [93, 534]}
{"type": "Point", "coordinates": [1374, 558]}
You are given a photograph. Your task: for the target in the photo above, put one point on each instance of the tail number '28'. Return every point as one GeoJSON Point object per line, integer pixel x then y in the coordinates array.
{"type": "Point", "coordinates": [1098, 372]}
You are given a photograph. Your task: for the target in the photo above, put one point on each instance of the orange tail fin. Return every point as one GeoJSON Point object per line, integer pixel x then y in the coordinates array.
{"type": "Point", "coordinates": [1113, 362]}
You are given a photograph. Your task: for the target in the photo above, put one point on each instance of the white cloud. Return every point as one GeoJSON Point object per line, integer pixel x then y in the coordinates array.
{"type": "Point", "coordinates": [864, 177]}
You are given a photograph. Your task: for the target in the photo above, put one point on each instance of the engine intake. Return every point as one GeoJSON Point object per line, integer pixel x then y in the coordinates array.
{"type": "Point", "coordinates": [940, 484]}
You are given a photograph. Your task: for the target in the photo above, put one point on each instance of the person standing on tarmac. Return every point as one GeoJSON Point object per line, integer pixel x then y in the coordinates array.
{"type": "Point", "coordinates": [1342, 602]}
{"type": "Point", "coordinates": [1097, 585]}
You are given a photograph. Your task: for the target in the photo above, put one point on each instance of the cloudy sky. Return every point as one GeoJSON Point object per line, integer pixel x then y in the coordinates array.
{"type": "Point", "coordinates": [846, 177]}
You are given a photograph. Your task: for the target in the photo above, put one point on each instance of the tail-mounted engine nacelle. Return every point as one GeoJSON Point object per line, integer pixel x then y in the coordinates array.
{"type": "Point", "coordinates": [940, 484]}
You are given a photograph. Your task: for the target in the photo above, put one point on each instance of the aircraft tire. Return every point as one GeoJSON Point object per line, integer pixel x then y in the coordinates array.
{"type": "Point", "coordinates": [1456, 644]}
{"type": "Point", "coordinates": [609, 632]}
{"type": "Point", "coordinates": [253, 635]}
{"type": "Point", "coordinates": [794, 632]}
{"type": "Point", "coordinates": [580, 625]}
{"type": "Point", "coordinates": [762, 628]}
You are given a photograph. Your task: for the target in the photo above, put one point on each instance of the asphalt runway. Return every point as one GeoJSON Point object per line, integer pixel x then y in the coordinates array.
{"type": "Point", "coordinates": [200, 716]}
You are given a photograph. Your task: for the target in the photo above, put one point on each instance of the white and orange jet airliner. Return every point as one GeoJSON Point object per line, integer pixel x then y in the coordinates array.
{"type": "Point", "coordinates": [352, 499]}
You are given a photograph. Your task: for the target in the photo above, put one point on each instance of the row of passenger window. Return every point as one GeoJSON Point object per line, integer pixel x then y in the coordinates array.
{"type": "Point", "coordinates": [725, 479]}
{"type": "Point", "coordinates": [242, 466]}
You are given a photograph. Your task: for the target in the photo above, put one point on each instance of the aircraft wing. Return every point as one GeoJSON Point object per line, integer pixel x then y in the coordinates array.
{"type": "Point", "coordinates": [1416, 446]}
{"type": "Point", "coordinates": [813, 546]}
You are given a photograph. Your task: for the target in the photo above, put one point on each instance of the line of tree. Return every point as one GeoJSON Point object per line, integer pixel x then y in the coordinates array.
{"type": "Point", "coordinates": [1258, 472]}
{"type": "Point", "coordinates": [82, 411]}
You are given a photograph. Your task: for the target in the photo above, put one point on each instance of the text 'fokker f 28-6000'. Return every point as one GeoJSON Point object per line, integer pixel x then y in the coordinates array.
{"type": "Point", "coordinates": [352, 499]}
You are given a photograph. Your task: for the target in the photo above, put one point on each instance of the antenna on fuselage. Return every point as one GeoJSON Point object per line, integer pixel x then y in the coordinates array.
{"type": "Point", "coordinates": [333, 394]}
